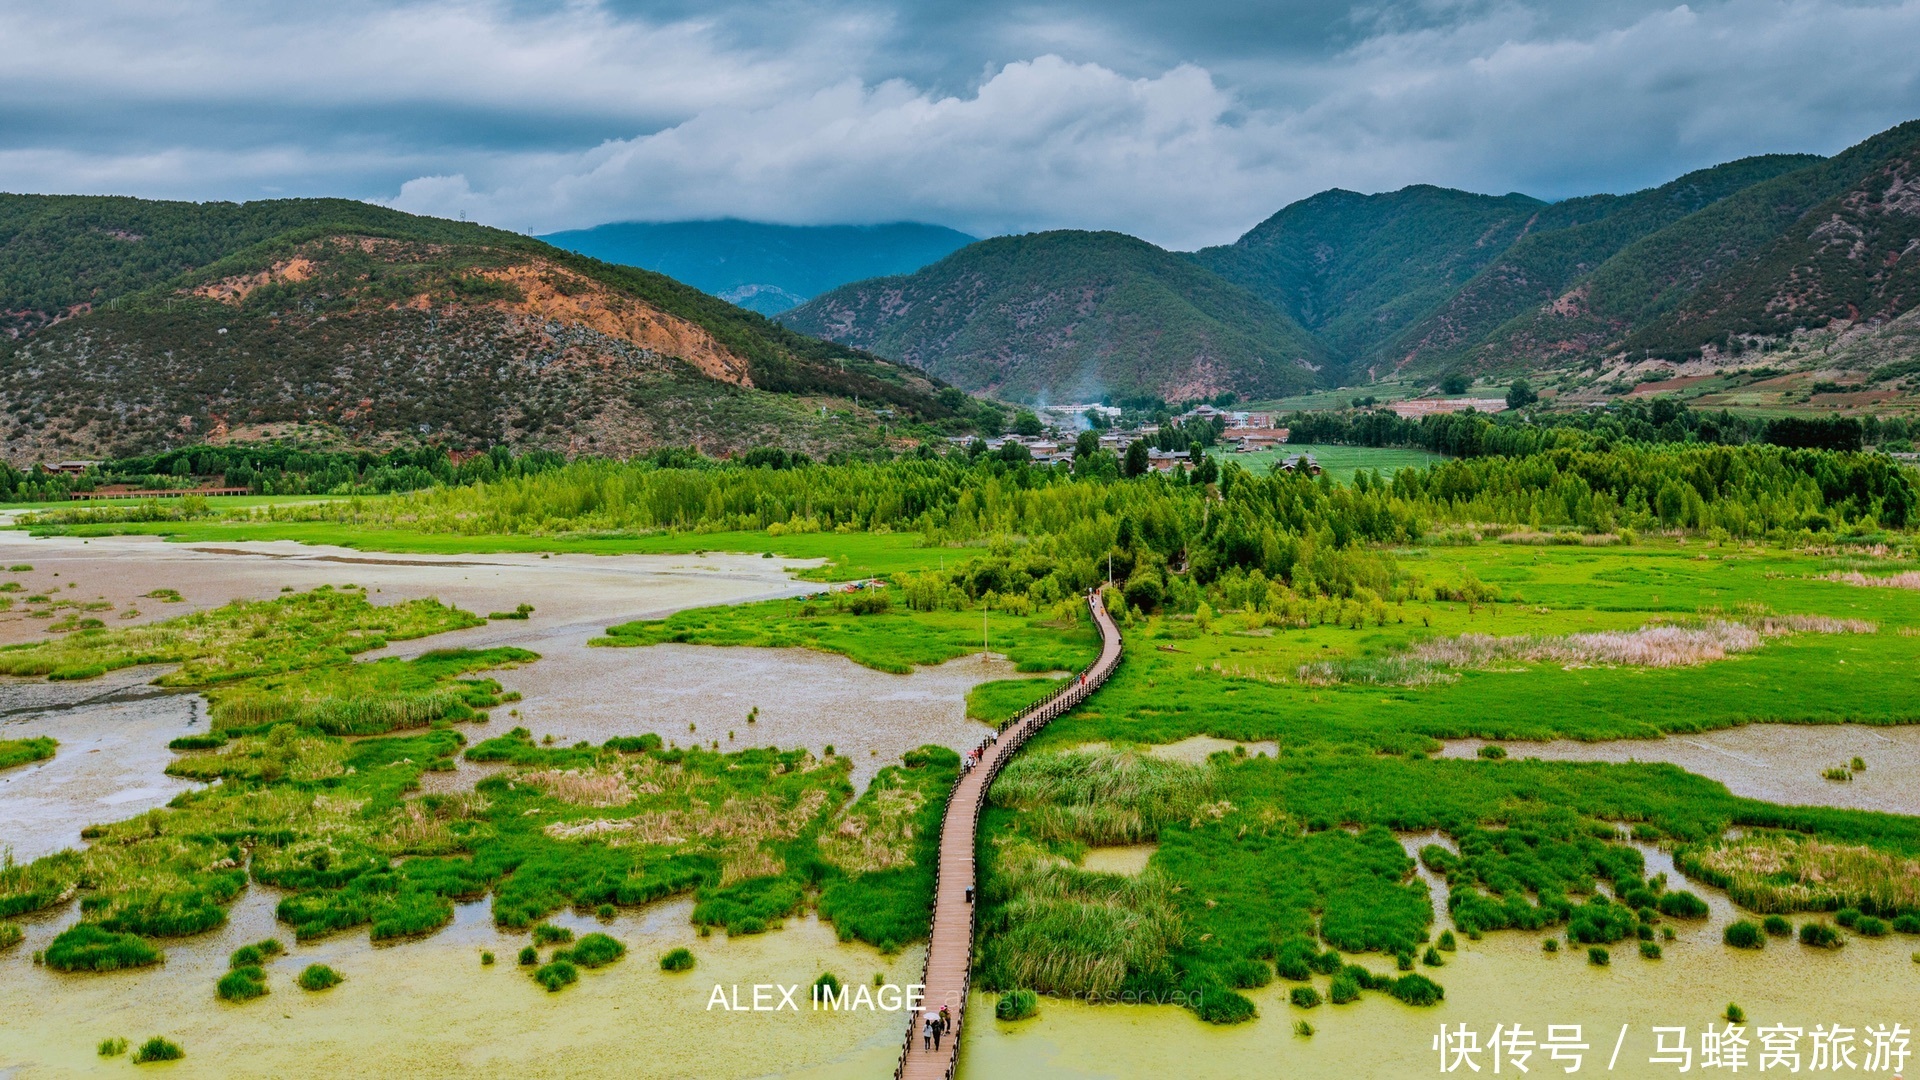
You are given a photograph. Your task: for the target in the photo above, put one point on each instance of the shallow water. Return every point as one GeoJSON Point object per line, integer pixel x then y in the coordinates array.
{"type": "Point", "coordinates": [113, 733]}
{"type": "Point", "coordinates": [1779, 763]}
{"type": "Point", "coordinates": [428, 1008]}
{"type": "Point", "coordinates": [1505, 978]}
{"type": "Point", "coordinates": [1127, 859]}
{"type": "Point", "coordinates": [805, 698]}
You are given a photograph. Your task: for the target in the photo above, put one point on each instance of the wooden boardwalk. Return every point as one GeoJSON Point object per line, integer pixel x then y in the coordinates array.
{"type": "Point", "coordinates": [949, 969]}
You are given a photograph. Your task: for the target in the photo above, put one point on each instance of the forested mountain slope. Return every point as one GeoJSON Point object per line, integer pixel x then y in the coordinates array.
{"type": "Point", "coordinates": [1072, 315]}
{"type": "Point", "coordinates": [136, 325]}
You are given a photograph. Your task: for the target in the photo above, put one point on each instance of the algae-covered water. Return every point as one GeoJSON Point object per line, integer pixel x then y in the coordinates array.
{"type": "Point", "coordinates": [1504, 979]}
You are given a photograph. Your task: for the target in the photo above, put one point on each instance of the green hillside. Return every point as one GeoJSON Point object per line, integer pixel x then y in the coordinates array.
{"type": "Point", "coordinates": [1354, 269]}
{"type": "Point", "coordinates": [1569, 240]}
{"type": "Point", "coordinates": [138, 325]}
{"type": "Point", "coordinates": [1849, 258]}
{"type": "Point", "coordinates": [1660, 271]}
{"type": "Point", "coordinates": [1071, 315]}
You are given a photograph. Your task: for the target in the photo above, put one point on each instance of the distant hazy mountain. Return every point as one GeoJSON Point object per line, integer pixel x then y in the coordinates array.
{"type": "Point", "coordinates": [1071, 315]}
{"type": "Point", "coordinates": [766, 268]}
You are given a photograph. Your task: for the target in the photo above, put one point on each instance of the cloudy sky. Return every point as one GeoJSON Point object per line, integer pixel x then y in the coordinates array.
{"type": "Point", "coordinates": [1183, 121]}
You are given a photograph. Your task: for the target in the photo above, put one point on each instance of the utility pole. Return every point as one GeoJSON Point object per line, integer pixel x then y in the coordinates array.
{"type": "Point", "coordinates": [983, 630]}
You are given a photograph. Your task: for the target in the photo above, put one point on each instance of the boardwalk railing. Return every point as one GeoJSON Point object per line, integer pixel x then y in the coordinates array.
{"type": "Point", "coordinates": [948, 972]}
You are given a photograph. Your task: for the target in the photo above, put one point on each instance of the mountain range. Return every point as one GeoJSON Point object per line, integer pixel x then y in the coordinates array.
{"type": "Point", "coordinates": [761, 267]}
{"type": "Point", "coordinates": [132, 325]}
{"type": "Point", "coordinates": [1343, 288]}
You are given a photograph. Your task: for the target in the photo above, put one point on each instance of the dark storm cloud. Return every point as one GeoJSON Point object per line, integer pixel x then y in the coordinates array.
{"type": "Point", "coordinates": [1182, 122]}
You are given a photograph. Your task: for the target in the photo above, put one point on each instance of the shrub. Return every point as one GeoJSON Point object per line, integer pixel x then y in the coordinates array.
{"type": "Point", "coordinates": [529, 956]}
{"type": "Point", "coordinates": [1017, 1005]}
{"type": "Point", "coordinates": [1417, 990]}
{"type": "Point", "coordinates": [1650, 950]}
{"type": "Point", "coordinates": [1551, 945]}
{"type": "Point", "coordinates": [86, 947]}
{"type": "Point", "coordinates": [1599, 957]}
{"type": "Point", "coordinates": [1744, 935]}
{"type": "Point", "coordinates": [556, 974]}
{"type": "Point", "coordinates": [1447, 942]}
{"type": "Point", "coordinates": [1432, 957]}
{"type": "Point", "coordinates": [158, 1049]}
{"type": "Point", "coordinates": [1736, 1014]}
{"type": "Point", "coordinates": [1847, 916]}
{"type": "Point", "coordinates": [1869, 926]}
{"type": "Point", "coordinates": [1907, 924]}
{"type": "Point", "coordinates": [1492, 752]}
{"type": "Point", "coordinates": [595, 951]}
{"type": "Point", "coordinates": [113, 1047]}
{"type": "Point", "coordinates": [1305, 997]}
{"type": "Point", "coordinates": [319, 977]}
{"type": "Point", "coordinates": [242, 984]}
{"type": "Point", "coordinates": [1820, 936]}
{"type": "Point", "coordinates": [1345, 988]}
{"type": "Point", "coordinates": [549, 934]}
{"type": "Point", "coordinates": [677, 960]}
{"type": "Point", "coordinates": [1681, 904]}
{"type": "Point", "coordinates": [1776, 926]}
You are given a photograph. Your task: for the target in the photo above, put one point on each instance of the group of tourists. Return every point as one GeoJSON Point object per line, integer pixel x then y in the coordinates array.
{"type": "Point", "coordinates": [934, 1027]}
{"type": "Point", "coordinates": [978, 754]}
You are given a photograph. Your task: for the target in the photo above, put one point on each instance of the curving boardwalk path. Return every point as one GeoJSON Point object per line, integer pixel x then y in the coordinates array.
{"type": "Point", "coordinates": [949, 968]}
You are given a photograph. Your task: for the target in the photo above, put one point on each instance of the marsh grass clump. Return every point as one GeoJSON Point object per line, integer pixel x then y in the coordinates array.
{"type": "Point", "coordinates": [1681, 904]}
{"type": "Point", "coordinates": [209, 741]}
{"type": "Point", "coordinates": [677, 960]}
{"type": "Point", "coordinates": [1492, 752]}
{"type": "Point", "coordinates": [1017, 1005]}
{"type": "Point", "coordinates": [593, 951]}
{"type": "Point", "coordinates": [1742, 934]}
{"type": "Point", "coordinates": [1735, 1014]}
{"type": "Point", "coordinates": [1417, 990]}
{"type": "Point", "coordinates": [557, 974]}
{"type": "Point", "coordinates": [529, 956]}
{"type": "Point", "coordinates": [1303, 1029]}
{"type": "Point", "coordinates": [1777, 926]}
{"type": "Point", "coordinates": [1599, 957]}
{"type": "Point", "coordinates": [1551, 945]}
{"type": "Point", "coordinates": [318, 977]}
{"type": "Point", "coordinates": [1820, 936]}
{"type": "Point", "coordinates": [486, 959]}
{"type": "Point", "coordinates": [10, 935]}
{"type": "Point", "coordinates": [1847, 916]}
{"type": "Point", "coordinates": [23, 751]}
{"type": "Point", "coordinates": [1432, 958]}
{"type": "Point", "coordinates": [1838, 772]}
{"type": "Point", "coordinates": [1447, 941]}
{"type": "Point", "coordinates": [113, 1047]}
{"type": "Point", "coordinates": [1103, 797]}
{"type": "Point", "coordinates": [1304, 997]}
{"type": "Point", "coordinates": [158, 1049]}
{"type": "Point", "coordinates": [86, 947]}
{"type": "Point", "coordinates": [242, 984]}
{"type": "Point", "coordinates": [605, 912]}
{"type": "Point", "coordinates": [253, 955]}
{"type": "Point", "coordinates": [1870, 926]}
{"type": "Point", "coordinates": [1907, 924]}
{"type": "Point", "coordinates": [1345, 988]}
{"type": "Point", "coordinates": [826, 986]}
{"type": "Point", "coordinates": [549, 934]}
{"type": "Point", "coordinates": [1650, 950]}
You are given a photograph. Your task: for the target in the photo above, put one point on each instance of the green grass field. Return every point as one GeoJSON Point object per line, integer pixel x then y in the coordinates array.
{"type": "Point", "coordinates": [1339, 461]}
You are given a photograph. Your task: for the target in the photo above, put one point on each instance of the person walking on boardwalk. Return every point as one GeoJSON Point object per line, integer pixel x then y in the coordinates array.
{"type": "Point", "coordinates": [939, 1029]}
{"type": "Point", "coordinates": [927, 1032]}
